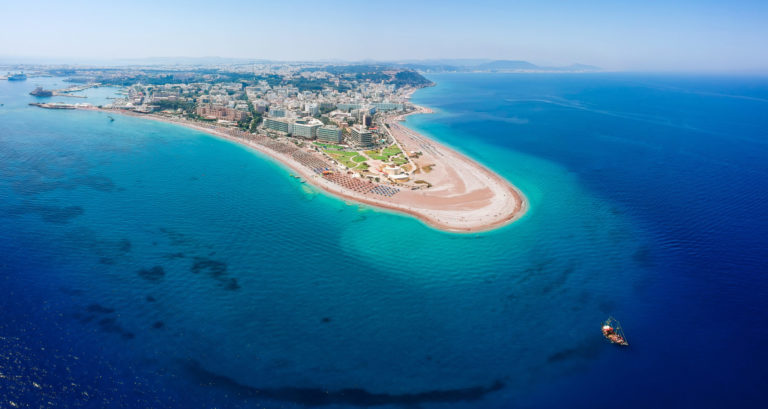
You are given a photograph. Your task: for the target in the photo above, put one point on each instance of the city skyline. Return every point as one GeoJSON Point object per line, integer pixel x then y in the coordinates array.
{"type": "Point", "coordinates": [653, 36]}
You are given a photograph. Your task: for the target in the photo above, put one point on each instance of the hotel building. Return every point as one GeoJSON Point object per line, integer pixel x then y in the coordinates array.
{"type": "Point", "coordinates": [329, 133]}
{"type": "Point", "coordinates": [306, 129]}
{"type": "Point", "coordinates": [279, 125]}
{"type": "Point", "coordinates": [361, 136]}
{"type": "Point", "coordinates": [220, 112]}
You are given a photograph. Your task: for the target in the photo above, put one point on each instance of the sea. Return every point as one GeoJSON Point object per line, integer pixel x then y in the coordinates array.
{"type": "Point", "coordinates": [146, 265]}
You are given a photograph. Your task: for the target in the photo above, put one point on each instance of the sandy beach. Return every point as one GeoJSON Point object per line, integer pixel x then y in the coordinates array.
{"type": "Point", "coordinates": [465, 196]}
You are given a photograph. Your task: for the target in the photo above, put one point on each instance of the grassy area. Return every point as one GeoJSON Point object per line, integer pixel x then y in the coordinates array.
{"type": "Point", "coordinates": [328, 146]}
{"type": "Point", "coordinates": [386, 154]}
{"type": "Point", "coordinates": [375, 155]}
{"type": "Point", "coordinates": [352, 160]}
{"type": "Point", "coordinates": [338, 152]}
{"type": "Point", "coordinates": [399, 161]}
{"type": "Point", "coordinates": [391, 151]}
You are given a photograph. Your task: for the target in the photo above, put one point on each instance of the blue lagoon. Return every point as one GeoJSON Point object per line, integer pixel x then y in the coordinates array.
{"type": "Point", "coordinates": [147, 264]}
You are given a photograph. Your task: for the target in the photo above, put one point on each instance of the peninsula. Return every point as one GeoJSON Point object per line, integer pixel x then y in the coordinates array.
{"type": "Point", "coordinates": [338, 127]}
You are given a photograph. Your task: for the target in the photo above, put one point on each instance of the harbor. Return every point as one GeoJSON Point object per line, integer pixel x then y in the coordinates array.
{"type": "Point", "coordinates": [64, 92]}
{"type": "Point", "coordinates": [69, 91]}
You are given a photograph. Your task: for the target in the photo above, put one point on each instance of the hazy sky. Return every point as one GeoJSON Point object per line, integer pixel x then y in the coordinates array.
{"type": "Point", "coordinates": [613, 34]}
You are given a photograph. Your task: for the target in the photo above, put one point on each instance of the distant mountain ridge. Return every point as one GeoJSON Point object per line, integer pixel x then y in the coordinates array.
{"type": "Point", "coordinates": [507, 65]}
{"type": "Point", "coordinates": [492, 66]}
{"type": "Point", "coordinates": [430, 65]}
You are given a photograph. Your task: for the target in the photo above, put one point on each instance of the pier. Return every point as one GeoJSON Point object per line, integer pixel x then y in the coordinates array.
{"type": "Point", "coordinates": [67, 92]}
{"type": "Point", "coordinates": [77, 88]}
{"type": "Point", "coordinates": [53, 105]}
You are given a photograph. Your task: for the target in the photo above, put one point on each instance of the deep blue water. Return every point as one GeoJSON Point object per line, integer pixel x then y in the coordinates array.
{"type": "Point", "coordinates": [148, 265]}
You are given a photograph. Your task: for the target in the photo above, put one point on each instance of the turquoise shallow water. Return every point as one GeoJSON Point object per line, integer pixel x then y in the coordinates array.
{"type": "Point", "coordinates": [160, 266]}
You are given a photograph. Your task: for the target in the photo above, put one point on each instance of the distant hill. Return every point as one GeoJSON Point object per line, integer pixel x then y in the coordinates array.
{"type": "Point", "coordinates": [433, 67]}
{"type": "Point", "coordinates": [505, 65]}
{"type": "Point", "coordinates": [451, 62]}
{"type": "Point", "coordinates": [491, 66]}
{"type": "Point", "coordinates": [399, 75]}
{"type": "Point", "coordinates": [574, 68]}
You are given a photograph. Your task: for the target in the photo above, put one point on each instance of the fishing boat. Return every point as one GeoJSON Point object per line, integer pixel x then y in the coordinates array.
{"type": "Point", "coordinates": [613, 332]}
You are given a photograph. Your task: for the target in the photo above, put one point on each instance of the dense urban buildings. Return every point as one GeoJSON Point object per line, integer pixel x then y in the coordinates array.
{"type": "Point", "coordinates": [342, 113]}
{"type": "Point", "coordinates": [210, 111]}
{"type": "Point", "coordinates": [336, 104]}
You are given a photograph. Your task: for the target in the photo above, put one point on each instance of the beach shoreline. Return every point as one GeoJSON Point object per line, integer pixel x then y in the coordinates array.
{"type": "Point", "coordinates": [482, 202]}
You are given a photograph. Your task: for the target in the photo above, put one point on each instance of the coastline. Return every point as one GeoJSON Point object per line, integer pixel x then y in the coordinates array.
{"type": "Point", "coordinates": [474, 199]}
